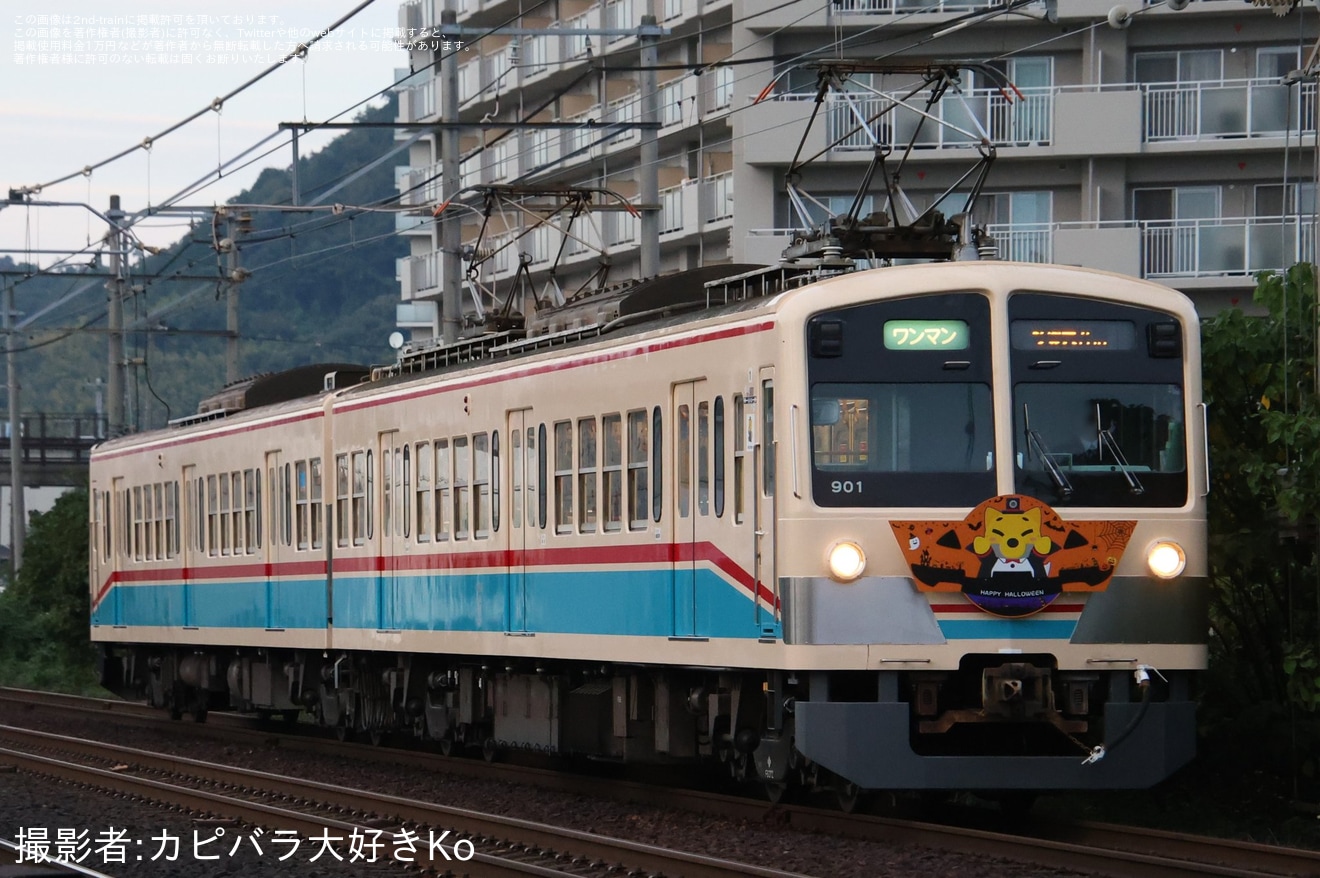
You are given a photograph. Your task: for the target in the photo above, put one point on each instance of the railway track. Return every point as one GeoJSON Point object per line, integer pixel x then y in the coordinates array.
{"type": "Point", "coordinates": [12, 865]}
{"type": "Point", "coordinates": [459, 840]}
{"type": "Point", "coordinates": [1102, 849]}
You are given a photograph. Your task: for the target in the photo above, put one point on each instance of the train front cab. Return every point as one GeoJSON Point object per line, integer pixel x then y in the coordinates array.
{"type": "Point", "coordinates": [1005, 522]}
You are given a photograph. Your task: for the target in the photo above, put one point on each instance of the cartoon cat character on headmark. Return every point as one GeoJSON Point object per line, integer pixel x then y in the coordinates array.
{"type": "Point", "coordinates": [1012, 555]}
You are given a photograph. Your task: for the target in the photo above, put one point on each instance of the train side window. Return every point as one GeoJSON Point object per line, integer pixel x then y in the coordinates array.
{"type": "Point", "coordinates": [316, 504]}
{"type": "Point", "coordinates": [127, 528]}
{"type": "Point", "coordinates": [638, 509]}
{"type": "Point", "coordinates": [703, 457]}
{"type": "Point", "coordinates": [543, 498]}
{"type": "Point", "coordinates": [588, 460]}
{"type": "Point", "coordinates": [718, 449]}
{"type": "Point", "coordinates": [250, 507]}
{"type": "Point", "coordinates": [518, 475]}
{"type": "Point", "coordinates": [481, 485]}
{"type": "Point", "coordinates": [495, 481]}
{"type": "Point", "coordinates": [342, 497]}
{"type": "Point", "coordinates": [683, 452]}
{"type": "Point", "coordinates": [462, 488]}
{"type": "Point", "coordinates": [768, 437]}
{"type": "Point", "coordinates": [236, 513]}
{"type": "Point", "coordinates": [359, 498]}
{"type": "Point", "coordinates": [138, 540]}
{"type": "Point", "coordinates": [657, 462]}
{"type": "Point", "coordinates": [564, 477]}
{"type": "Point", "coordinates": [300, 501]}
{"type": "Point", "coordinates": [442, 514]}
{"type": "Point", "coordinates": [155, 539]}
{"type": "Point", "coordinates": [612, 470]}
{"type": "Point", "coordinates": [273, 510]}
{"type": "Point", "coordinates": [369, 496]}
{"type": "Point", "coordinates": [226, 521]}
{"type": "Point", "coordinates": [739, 458]}
{"type": "Point", "coordinates": [423, 498]}
{"type": "Point", "coordinates": [172, 519]}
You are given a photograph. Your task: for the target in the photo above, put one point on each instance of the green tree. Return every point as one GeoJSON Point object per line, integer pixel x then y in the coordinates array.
{"type": "Point", "coordinates": [1264, 415]}
{"type": "Point", "coordinates": [44, 612]}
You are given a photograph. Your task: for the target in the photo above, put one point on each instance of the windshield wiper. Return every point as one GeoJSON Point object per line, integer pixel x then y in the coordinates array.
{"type": "Point", "coordinates": [1105, 438]}
{"type": "Point", "coordinates": [1051, 466]}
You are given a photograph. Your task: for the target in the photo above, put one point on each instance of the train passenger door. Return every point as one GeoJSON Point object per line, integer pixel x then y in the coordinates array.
{"type": "Point", "coordinates": [272, 553]}
{"type": "Point", "coordinates": [760, 428]}
{"type": "Point", "coordinates": [688, 501]}
{"type": "Point", "coordinates": [522, 506]}
{"type": "Point", "coordinates": [392, 516]}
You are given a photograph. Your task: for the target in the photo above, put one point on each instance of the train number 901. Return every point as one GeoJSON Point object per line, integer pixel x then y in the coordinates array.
{"type": "Point", "coordinates": [846, 486]}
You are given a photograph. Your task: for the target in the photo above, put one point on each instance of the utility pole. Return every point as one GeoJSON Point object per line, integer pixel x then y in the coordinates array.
{"type": "Point", "coordinates": [650, 151]}
{"type": "Point", "coordinates": [17, 509]}
{"type": "Point", "coordinates": [235, 275]}
{"type": "Point", "coordinates": [451, 222]}
{"type": "Point", "coordinates": [115, 319]}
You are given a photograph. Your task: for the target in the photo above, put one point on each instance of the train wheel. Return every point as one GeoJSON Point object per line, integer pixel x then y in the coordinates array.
{"type": "Point", "coordinates": [342, 731]}
{"type": "Point", "coordinates": [777, 792]}
{"type": "Point", "coordinates": [446, 746]}
{"type": "Point", "coordinates": [849, 795]}
{"type": "Point", "coordinates": [376, 737]}
{"type": "Point", "coordinates": [490, 751]}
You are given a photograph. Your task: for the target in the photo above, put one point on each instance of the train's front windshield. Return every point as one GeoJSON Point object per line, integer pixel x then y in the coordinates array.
{"type": "Point", "coordinates": [1100, 444]}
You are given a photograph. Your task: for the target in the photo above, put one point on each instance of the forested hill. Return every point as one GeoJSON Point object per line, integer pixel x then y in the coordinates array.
{"type": "Point", "coordinates": [322, 289]}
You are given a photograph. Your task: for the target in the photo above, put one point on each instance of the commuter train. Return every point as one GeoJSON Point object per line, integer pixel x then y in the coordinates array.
{"type": "Point", "coordinates": [935, 527]}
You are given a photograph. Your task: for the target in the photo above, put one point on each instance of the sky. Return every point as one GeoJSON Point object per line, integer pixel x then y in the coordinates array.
{"type": "Point", "coordinates": [82, 80]}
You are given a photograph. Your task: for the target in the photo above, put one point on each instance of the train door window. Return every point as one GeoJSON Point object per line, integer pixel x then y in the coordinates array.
{"type": "Point", "coordinates": [542, 477]}
{"type": "Point", "coordinates": [316, 504]}
{"type": "Point", "coordinates": [257, 530]}
{"type": "Point", "coordinates": [405, 492]}
{"type": "Point", "coordinates": [516, 496]}
{"type": "Point", "coordinates": [387, 492]}
{"type": "Point", "coordinates": [128, 523]}
{"type": "Point", "coordinates": [199, 526]}
{"type": "Point", "coordinates": [360, 498]}
{"type": "Point", "coordinates": [286, 505]}
{"type": "Point", "coordinates": [768, 437]}
{"type": "Point", "coordinates": [638, 510]}
{"type": "Point", "coordinates": [342, 497]}
{"type": "Point", "coordinates": [611, 427]}
{"type": "Point", "coordinates": [423, 498]}
{"type": "Point", "coordinates": [564, 477]}
{"type": "Point", "coordinates": [212, 517]}
{"type": "Point", "coordinates": [683, 448]}
{"type": "Point", "coordinates": [703, 457]}
{"type": "Point", "coordinates": [250, 506]}
{"type": "Point", "coordinates": [105, 525]}
{"type": "Point", "coordinates": [443, 515]}
{"type": "Point", "coordinates": [739, 459]}
{"type": "Point", "coordinates": [273, 513]}
{"type": "Point", "coordinates": [657, 463]}
{"type": "Point", "coordinates": [718, 450]}
{"type": "Point", "coordinates": [300, 502]}
{"type": "Point", "coordinates": [587, 463]}
{"type": "Point", "coordinates": [495, 481]}
{"type": "Point", "coordinates": [462, 488]}
{"type": "Point", "coordinates": [481, 485]}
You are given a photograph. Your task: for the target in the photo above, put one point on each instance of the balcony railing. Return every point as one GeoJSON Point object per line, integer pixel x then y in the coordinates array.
{"type": "Point", "coordinates": [1224, 246]}
{"type": "Point", "coordinates": [907, 7]}
{"type": "Point", "coordinates": [1028, 121]}
{"type": "Point", "coordinates": [1229, 108]}
{"type": "Point", "coordinates": [719, 197]}
{"type": "Point", "coordinates": [423, 186]}
{"type": "Point", "coordinates": [419, 101]}
{"type": "Point", "coordinates": [1024, 242]}
{"type": "Point", "coordinates": [671, 209]}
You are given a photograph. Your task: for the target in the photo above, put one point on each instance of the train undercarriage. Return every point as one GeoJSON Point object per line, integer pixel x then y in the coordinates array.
{"type": "Point", "coordinates": [994, 724]}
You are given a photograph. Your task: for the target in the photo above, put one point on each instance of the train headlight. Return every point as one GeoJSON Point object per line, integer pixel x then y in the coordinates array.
{"type": "Point", "coordinates": [1166, 559]}
{"type": "Point", "coordinates": [847, 561]}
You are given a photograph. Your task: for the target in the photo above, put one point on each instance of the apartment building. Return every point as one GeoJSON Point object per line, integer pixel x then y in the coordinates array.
{"type": "Point", "coordinates": [1177, 145]}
